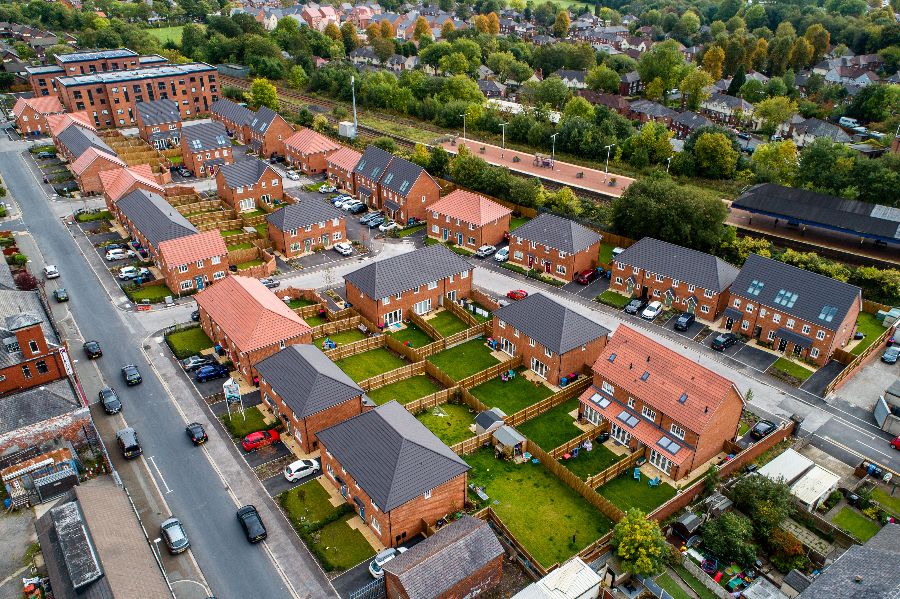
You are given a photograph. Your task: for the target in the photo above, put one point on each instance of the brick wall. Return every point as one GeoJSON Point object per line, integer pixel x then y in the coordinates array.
{"type": "Point", "coordinates": [489, 234]}
{"type": "Point", "coordinates": [275, 135]}
{"type": "Point", "coordinates": [177, 281]}
{"type": "Point", "coordinates": [342, 178]}
{"type": "Point", "coordinates": [319, 236]}
{"type": "Point", "coordinates": [420, 196]}
{"type": "Point", "coordinates": [375, 310]}
{"type": "Point", "coordinates": [310, 164]}
{"type": "Point", "coordinates": [264, 192]}
{"type": "Point", "coordinates": [70, 426]}
{"type": "Point", "coordinates": [482, 580]}
{"type": "Point", "coordinates": [31, 122]}
{"type": "Point", "coordinates": [89, 180]}
{"type": "Point", "coordinates": [522, 254]}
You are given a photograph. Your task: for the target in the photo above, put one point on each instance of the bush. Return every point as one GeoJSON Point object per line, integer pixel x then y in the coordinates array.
{"type": "Point", "coordinates": [17, 259]}
{"type": "Point", "coordinates": [26, 281]}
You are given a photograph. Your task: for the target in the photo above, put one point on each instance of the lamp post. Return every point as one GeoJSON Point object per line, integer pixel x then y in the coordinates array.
{"type": "Point", "coordinates": [464, 127]}
{"type": "Point", "coordinates": [668, 162]}
{"type": "Point", "coordinates": [503, 139]}
{"type": "Point", "coordinates": [608, 151]}
{"type": "Point", "coordinates": [553, 151]}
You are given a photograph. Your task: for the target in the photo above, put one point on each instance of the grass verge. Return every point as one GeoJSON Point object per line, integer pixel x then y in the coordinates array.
{"type": "Point", "coordinates": [792, 369]}
{"type": "Point", "coordinates": [241, 425]}
{"type": "Point", "coordinates": [611, 298]}
{"type": "Point", "coordinates": [188, 342]}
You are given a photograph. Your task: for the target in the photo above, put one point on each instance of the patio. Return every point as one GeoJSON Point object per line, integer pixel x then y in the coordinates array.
{"type": "Point", "coordinates": [405, 391]}
{"type": "Point", "coordinates": [513, 395]}
{"type": "Point", "coordinates": [554, 427]}
{"type": "Point", "coordinates": [371, 363]}
{"type": "Point", "coordinates": [451, 423]}
{"type": "Point", "coordinates": [464, 360]}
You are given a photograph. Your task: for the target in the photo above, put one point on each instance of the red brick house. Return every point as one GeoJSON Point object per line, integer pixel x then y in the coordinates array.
{"type": "Point", "coordinates": [383, 291]}
{"type": "Point", "coordinates": [31, 114]}
{"type": "Point", "coordinates": [306, 225]}
{"type": "Point", "coordinates": [74, 140]}
{"type": "Point", "coordinates": [307, 150]}
{"type": "Point", "coordinates": [554, 341]}
{"type": "Point", "coordinates": [57, 123]}
{"type": "Point", "coordinates": [248, 321]}
{"type": "Point", "coordinates": [340, 166]}
{"type": "Point", "coordinates": [205, 147]}
{"type": "Point", "coordinates": [89, 165]}
{"type": "Point", "coordinates": [415, 481]}
{"type": "Point", "coordinates": [679, 277]}
{"type": "Point", "coordinates": [267, 132]}
{"type": "Point", "coordinates": [467, 219]}
{"type": "Point", "coordinates": [248, 185]}
{"type": "Point", "coordinates": [117, 183]}
{"type": "Point", "coordinates": [233, 116]}
{"type": "Point", "coordinates": [193, 262]}
{"type": "Point", "coordinates": [368, 171]}
{"type": "Point", "coordinates": [308, 392]}
{"type": "Point", "coordinates": [159, 123]}
{"type": "Point", "coordinates": [558, 246]}
{"type": "Point", "coordinates": [654, 397]}
{"type": "Point", "coordinates": [407, 191]}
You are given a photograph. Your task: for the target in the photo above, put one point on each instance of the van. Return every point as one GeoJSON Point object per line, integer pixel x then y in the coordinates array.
{"type": "Point", "coordinates": [128, 443]}
{"type": "Point", "coordinates": [846, 121]}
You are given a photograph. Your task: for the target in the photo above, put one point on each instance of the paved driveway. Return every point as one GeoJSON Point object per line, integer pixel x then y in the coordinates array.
{"type": "Point", "coordinates": [590, 291]}
{"type": "Point", "coordinates": [278, 484]}
{"type": "Point", "coordinates": [357, 577]}
{"type": "Point", "coordinates": [755, 358]}
{"type": "Point", "coordinates": [822, 377]}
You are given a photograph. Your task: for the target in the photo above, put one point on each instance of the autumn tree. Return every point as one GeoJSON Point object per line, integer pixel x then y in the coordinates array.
{"type": "Point", "coordinates": [331, 30]}
{"type": "Point", "coordinates": [819, 38]}
{"type": "Point", "coordinates": [561, 25]}
{"type": "Point", "coordinates": [695, 87]}
{"type": "Point", "coordinates": [263, 93]}
{"type": "Point", "coordinates": [481, 23]}
{"type": "Point", "coordinates": [493, 23]}
{"type": "Point", "coordinates": [373, 32]}
{"type": "Point", "coordinates": [713, 61]}
{"type": "Point", "coordinates": [801, 53]}
{"type": "Point", "coordinates": [773, 112]}
{"type": "Point", "coordinates": [447, 28]}
{"type": "Point", "coordinates": [760, 55]}
{"type": "Point", "coordinates": [421, 29]}
{"type": "Point", "coordinates": [639, 544]}
{"type": "Point", "coordinates": [386, 30]}
{"type": "Point", "coordinates": [714, 156]}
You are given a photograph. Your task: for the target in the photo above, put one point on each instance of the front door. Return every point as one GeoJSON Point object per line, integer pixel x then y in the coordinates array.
{"type": "Point", "coordinates": [782, 344]}
{"type": "Point", "coordinates": [629, 287]}
{"type": "Point", "coordinates": [692, 305]}
{"type": "Point", "coordinates": [198, 281]}
{"type": "Point", "coordinates": [547, 265]}
{"type": "Point", "coordinates": [307, 245]}
{"type": "Point", "coordinates": [446, 235]}
{"type": "Point", "coordinates": [729, 322]}
{"type": "Point", "coordinates": [459, 239]}
{"type": "Point", "coordinates": [247, 205]}
{"type": "Point", "coordinates": [757, 331]}
{"type": "Point", "coordinates": [530, 261]}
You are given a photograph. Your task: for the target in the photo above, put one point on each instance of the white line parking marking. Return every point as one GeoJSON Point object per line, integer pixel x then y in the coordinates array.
{"type": "Point", "coordinates": [159, 474]}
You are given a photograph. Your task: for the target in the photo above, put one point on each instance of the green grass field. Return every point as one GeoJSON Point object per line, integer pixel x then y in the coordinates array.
{"type": "Point", "coordinates": [450, 422]}
{"type": "Point", "coordinates": [589, 463]}
{"type": "Point", "coordinates": [552, 428]}
{"type": "Point", "coordinates": [240, 425]}
{"type": "Point", "coordinates": [368, 364]}
{"type": "Point", "coordinates": [446, 323]}
{"type": "Point", "coordinates": [794, 369]}
{"type": "Point", "coordinates": [405, 391]}
{"type": "Point", "coordinates": [889, 502]}
{"type": "Point", "coordinates": [416, 336]}
{"type": "Point", "coordinates": [856, 524]}
{"type": "Point", "coordinates": [307, 504]}
{"type": "Point", "coordinates": [168, 34]}
{"type": "Point", "coordinates": [188, 342]}
{"type": "Point", "coordinates": [616, 300]}
{"type": "Point", "coordinates": [341, 547]}
{"type": "Point", "coordinates": [342, 337]}
{"type": "Point", "coordinates": [510, 396]}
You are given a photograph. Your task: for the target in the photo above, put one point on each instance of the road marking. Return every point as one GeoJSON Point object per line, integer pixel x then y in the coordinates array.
{"type": "Point", "coordinates": [873, 449]}
{"type": "Point", "coordinates": [159, 474]}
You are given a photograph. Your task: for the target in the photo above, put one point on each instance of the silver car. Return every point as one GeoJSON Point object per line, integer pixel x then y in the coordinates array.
{"type": "Point", "coordinates": [174, 535]}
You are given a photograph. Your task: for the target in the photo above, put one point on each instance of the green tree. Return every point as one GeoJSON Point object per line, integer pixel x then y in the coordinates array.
{"type": "Point", "coordinates": [639, 544]}
{"type": "Point", "coordinates": [695, 87]}
{"type": "Point", "coordinates": [773, 112]}
{"type": "Point", "coordinates": [648, 146]}
{"type": "Point", "coordinates": [736, 250]}
{"type": "Point", "coordinates": [775, 162]}
{"type": "Point", "coordinates": [663, 61]}
{"type": "Point", "coordinates": [826, 166]}
{"type": "Point", "coordinates": [384, 48]}
{"type": "Point", "coordinates": [454, 64]}
{"type": "Point", "coordinates": [296, 77]}
{"type": "Point", "coordinates": [57, 50]}
{"type": "Point", "coordinates": [349, 37]}
{"type": "Point", "coordinates": [687, 27]}
{"type": "Point", "coordinates": [24, 51]}
{"type": "Point", "coordinates": [578, 107]}
{"type": "Point", "coordinates": [564, 201]}
{"type": "Point", "coordinates": [386, 143]}
{"type": "Point", "coordinates": [550, 91]}
{"type": "Point", "coordinates": [753, 90]}
{"type": "Point", "coordinates": [263, 93]}
{"type": "Point", "coordinates": [737, 82]}
{"type": "Point", "coordinates": [561, 24]}
{"type": "Point", "coordinates": [602, 79]}
{"type": "Point", "coordinates": [767, 502]}
{"type": "Point", "coordinates": [730, 538]}
{"type": "Point", "coordinates": [801, 53]}
{"type": "Point", "coordinates": [713, 60]}
{"type": "Point", "coordinates": [818, 38]}
{"type": "Point", "coordinates": [714, 156]}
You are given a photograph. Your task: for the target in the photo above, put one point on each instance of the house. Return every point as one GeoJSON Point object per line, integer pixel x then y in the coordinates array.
{"type": "Point", "coordinates": [383, 291]}
{"type": "Point", "coordinates": [235, 117]}
{"type": "Point", "coordinates": [119, 182]}
{"type": "Point", "coordinates": [726, 109]}
{"type": "Point", "coordinates": [406, 191]}
{"type": "Point", "coordinates": [31, 114]}
{"type": "Point", "coordinates": [560, 247]}
{"type": "Point", "coordinates": [192, 262]}
{"type": "Point", "coordinates": [340, 166]}
{"type": "Point", "coordinates": [304, 226]}
{"type": "Point", "coordinates": [654, 398]}
{"type": "Point", "coordinates": [468, 219]}
{"type": "Point", "coordinates": [630, 84]}
{"type": "Point", "coordinates": [248, 185]}
{"type": "Point", "coordinates": [57, 123]}
{"type": "Point", "coordinates": [572, 580]}
{"type": "Point", "coordinates": [307, 150]}
{"type": "Point", "coordinates": [267, 132]}
{"type": "Point", "coordinates": [205, 147]}
{"type": "Point", "coordinates": [554, 341]}
{"type": "Point", "coordinates": [248, 321]}
{"type": "Point", "coordinates": [791, 309]}
{"type": "Point", "coordinates": [75, 140]}
{"type": "Point", "coordinates": [687, 122]}
{"type": "Point", "coordinates": [806, 132]}
{"type": "Point", "coordinates": [491, 88]}
{"type": "Point", "coordinates": [646, 111]}
{"type": "Point", "coordinates": [415, 481]}
{"type": "Point", "coordinates": [689, 280]}
{"type": "Point", "coordinates": [611, 101]}
{"type": "Point", "coordinates": [159, 123]}
{"type": "Point", "coordinates": [471, 561]}
{"type": "Point", "coordinates": [572, 79]}
{"type": "Point", "coordinates": [368, 171]}
{"type": "Point", "coordinates": [88, 166]}
{"type": "Point", "coordinates": [810, 483]}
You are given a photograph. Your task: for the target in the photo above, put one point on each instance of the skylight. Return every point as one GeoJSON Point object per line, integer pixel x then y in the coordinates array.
{"type": "Point", "coordinates": [612, 357]}
{"type": "Point", "coordinates": [827, 313]}
{"type": "Point", "coordinates": [405, 186]}
{"type": "Point", "coordinates": [786, 298]}
{"type": "Point", "coordinates": [599, 400]}
{"type": "Point", "coordinates": [683, 398]}
{"type": "Point", "coordinates": [388, 178]}
{"type": "Point", "coordinates": [627, 418]}
{"type": "Point", "coordinates": [196, 143]}
{"type": "Point", "coordinates": [755, 287]}
{"type": "Point", "coordinates": [645, 376]}
{"type": "Point", "coordinates": [669, 445]}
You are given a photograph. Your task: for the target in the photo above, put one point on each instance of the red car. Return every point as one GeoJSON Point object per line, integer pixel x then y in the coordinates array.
{"type": "Point", "coordinates": [517, 294]}
{"type": "Point", "coordinates": [895, 443]}
{"type": "Point", "coordinates": [586, 276]}
{"type": "Point", "coordinates": [260, 439]}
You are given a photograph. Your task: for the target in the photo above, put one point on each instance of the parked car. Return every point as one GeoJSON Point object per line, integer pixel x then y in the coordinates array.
{"type": "Point", "coordinates": [260, 439]}
{"type": "Point", "coordinates": [252, 524]}
{"type": "Point", "coordinates": [635, 306]}
{"type": "Point", "coordinates": [61, 295]}
{"type": "Point", "coordinates": [211, 372]}
{"type": "Point", "coordinates": [116, 254]}
{"type": "Point", "coordinates": [196, 433]}
{"type": "Point", "coordinates": [46, 154]}
{"type": "Point", "coordinates": [195, 315]}
{"type": "Point", "coordinates": [292, 176]}
{"type": "Point", "coordinates": [652, 310]}
{"type": "Point", "coordinates": [684, 321]}
{"type": "Point", "coordinates": [375, 566]}
{"type": "Point", "coordinates": [174, 535]}
{"type": "Point", "coordinates": [92, 349]}
{"type": "Point", "coordinates": [388, 225]}
{"type": "Point", "coordinates": [344, 248]}
{"type": "Point", "coordinates": [375, 222]}
{"type": "Point", "coordinates": [586, 277]}
{"type": "Point", "coordinates": [370, 216]}
{"type": "Point", "coordinates": [185, 172]}
{"type": "Point", "coordinates": [127, 439]}
{"type": "Point", "coordinates": [131, 374]}
{"type": "Point", "coordinates": [502, 255]}
{"type": "Point", "coordinates": [51, 272]}
{"type": "Point", "coordinates": [341, 201]}
{"type": "Point", "coordinates": [270, 283]}
{"type": "Point", "coordinates": [895, 443]}
{"type": "Point", "coordinates": [327, 188]}
{"type": "Point", "coordinates": [341, 198]}
{"type": "Point", "coordinates": [762, 429]}
{"type": "Point", "coordinates": [110, 401]}
{"type": "Point", "coordinates": [301, 469]}
{"type": "Point", "coordinates": [194, 362]}
{"type": "Point", "coordinates": [357, 208]}
{"type": "Point", "coordinates": [517, 294]}
{"type": "Point", "coordinates": [485, 251]}
{"type": "Point", "coordinates": [126, 273]}
{"type": "Point", "coordinates": [723, 341]}
{"type": "Point", "coordinates": [891, 354]}
{"type": "Point", "coordinates": [743, 135]}
{"type": "Point", "coordinates": [351, 204]}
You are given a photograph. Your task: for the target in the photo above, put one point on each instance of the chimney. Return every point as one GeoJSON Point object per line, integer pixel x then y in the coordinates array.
{"type": "Point", "coordinates": [706, 410]}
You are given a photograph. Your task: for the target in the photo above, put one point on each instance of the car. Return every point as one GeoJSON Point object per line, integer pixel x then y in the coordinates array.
{"type": "Point", "coordinates": [378, 220]}
{"type": "Point", "coordinates": [684, 321]}
{"type": "Point", "coordinates": [92, 349]}
{"type": "Point", "coordinates": [364, 220]}
{"type": "Point", "coordinates": [344, 248]}
{"type": "Point", "coordinates": [127, 439]}
{"type": "Point", "coordinates": [895, 443]}
{"type": "Point", "coordinates": [388, 225]}
{"type": "Point", "coordinates": [126, 273]}
{"type": "Point", "coordinates": [517, 294]}
{"type": "Point", "coordinates": [194, 362]}
{"type": "Point", "coordinates": [270, 283]}
{"type": "Point", "coordinates": [61, 295]}
{"type": "Point", "coordinates": [341, 198]}
{"type": "Point", "coordinates": [174, 536]}
{"type": "Point", "coordinates": [635, 306]}
{"type": "Point", "coordinates": [375, 566]}
{"type": "Point", "coordinates": [196, 433]}
{"type": "Point", "coordinates": [210, 372]}
{"type": "Point", "coordinates": [46, 154]}
{"type": "Point", "coordinates": [110, 401]}
{"type": "Point", "coordinates": [292, 176]}
{"type": "Point", "coordinates": [252, 524]}
{"type": "Point", "coordinates": [116, 254]}
{"type": "Point", "coordinates": [485, 251]}
{"type": "Point", "coordinates": [185, 172]}
{"type": "Point", "coordinates": [723, 341]}
{"type": "Point", "coordinates": [586, 277]}
{"type": "Point", "coordinates": [195, 315]}
{"type": "Point", "coordinates": [131, 374]}
{"type": "Point", "coordinates": [301, 469]}
{"type": "Point", "coordinates": [327, 188]}
{"type": "Point", "coordinates": [357, 208]}
{"type": "Point", "coordinates": [259, 439]}
{"type": "Point", "coordinates": [345, 201]}
{"type": "Point", "coordinates": [502, 255]}
{"type": "Point", "coordinates": [762, 429]}
{"type": "Point", "coordinates": [891, 354]}
{"type": "Point", "coordinates": [51, 272]}
{"type": "Point", "coordinates": [743, 135]}
{"type": "Point", "coordinates": [652, 310]}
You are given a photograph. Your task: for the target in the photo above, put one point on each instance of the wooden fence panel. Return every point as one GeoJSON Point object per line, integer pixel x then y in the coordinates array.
{"type": "Point", "coordinates": [424, 325]}
{"type": "Point", "coordinates": [472, 444]}
{"type": "Point", "coordinates": [455, 339]}
{"type": "Point", "coordinates": [855, 361]}
{"type": "Point", "coordinates": [490, 372]}
{"type": "Point", "coordinates": [392, 376]}
{"type": "Point", "coordinates": [439, 375]}
{"type": "Point", "coordinates": [571, 444]}
{"type": "Point", "coordinates": [874, 307]}
{"type": "Point", "coordinates": [407, 352]}
{"type": "Point", "coordinates": [484, 299]}
{"type": "Point", "coordinates": [601, 478]}
{"type": "Point", "coordinates": [461, 314]}
{"type": "Point", "coordinates": [334, 326]}
{"type": "Point", "coordinates": [430, 401]}
{"type": "Point", "coordinates": [562, 396]}
{"type": "Point", "coordinates": [596, 549]}
{"type": "Point", "coordinates": [472, 401]}
{"type": "Point", "coordinates": [358, 347]}
{"type": "Point", "coordinates": [309, 311]}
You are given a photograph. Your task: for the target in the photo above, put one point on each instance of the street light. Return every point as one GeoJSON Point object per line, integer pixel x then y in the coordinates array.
{"type": "Point", "coordinates": [668, 162]}
{"type": "Point", "coordinates": [503, 142]}
{"type": "Point", "coordinates": [553, 151]}
{"type": "Point", "coordinates": [608, 150]}
{"type": "Point", "coordinates": [464, 127]}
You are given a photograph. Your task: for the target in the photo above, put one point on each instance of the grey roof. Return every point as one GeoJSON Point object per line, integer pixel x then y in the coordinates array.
{"type": "Point", "coordinates": [390, 276]}
{"type": "Point", "coordinates": [508, 436]}
{"type": "Point", "coordinates": [306, 380]}
{"type": "Point", "coordinates": [558, 233]}
{"type": "Point", "coordinates": [691, 120]}
{"type": "Point", "coordinates": [6, 277]}
{"type": "Point", "coordinates": [304, 212]}
{"type": "Point", "coordinates": [37, 405]}
{"type": "Point", "coordinates": [16, 304]}
{"type": "Point", "coordinates": [77, 140]}
{"type": "Point", "coordinates": [571, 74]}
{"type": "Point", "coordinates": [819, 128]}
{"type": "Point", "coordinates": [797, 580]}
{"type": "Point", "coordinates": [809, 296]}
{"type": "Point", "coordinates": [243, 173]}
{"type": "Point", "coordinates": [159, 112]}
{"type": "Point", "coordinates": [410, 458]}
{"type": "Point", "coordinates": [151, 72]}
{"type": "Point", "coordinates": [455, 552]}
{"type": "Point", "coordinates": [551, 324]}
{"type": "Point", "coordinates": [488, 417]}
{"type": "Point", "coordinates": [653, 109]}
{"type": "Point", "coordinates": [96, 55]}
{"type": "Point", "coordinates": [78, 550]}
{"type": "Point", "coordinates": [205, 136]}
{"type": "Point", "coordinates": [680, 263]}
{"type": "Point", "coordinates": [154, 217]}
{"type": "Point", "coordinates": [401, 175]}
{"type": "Point", "coordinates": [260, 121]}
{"type": "Point", "coordinates": [231, 111]}
{"type": "Point", "coordinates": [373, 163]}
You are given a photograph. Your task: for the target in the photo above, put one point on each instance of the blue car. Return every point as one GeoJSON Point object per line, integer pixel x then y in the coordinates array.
{"type": "Point", "coordinates": [891, 355]}
{"type": "Point", "coordinates": [211, 373]}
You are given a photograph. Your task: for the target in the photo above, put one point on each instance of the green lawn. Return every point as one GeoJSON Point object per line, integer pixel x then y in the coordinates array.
{"type": "Point", "coordinates": [368, 364]}
{"type": "Point", "coordinates": [449, 421]}
{"type": "Point", "coordinates": [154, 293]}
{"type": "Point", "coordinates": [446, 323]}
{"type": "Point", "coordinates": [307, 504]}
{"type": "Point", "coordinates": [552, 428]}
{"type": "Point", "coordinates": [188, 342]}
{"type": "Point", "coordinates": [868, 325]}
{"type": "Point", "coordinates": [691, 580]}
{"type": "Point", "coordinates": [315, 321]}
{"type": "Point", "coordinates": [887, 501]}
{"type": "Point", "coordinates": [87, 217]}
{"type": "Point", "coordinates": [626, 492]}
{"type": "Point", "coordinates": [856, 524]}
{"type": "Point", "coordinates": [464, 360]}
{"type": "Point", "coordinates": [516, 222]}
{"type": "Point", "coordinates": [616, 300]}
{"type": "Point", "coordinates": [252, 213]}
{"type": "Point", "coordinates": [413, 334]}
{"type": "Point", "coordinates": [671, 587]}
{"type": "Point", "coordinates": [605, 256]}
{"type": "Point", "coordinates": [405, 391]}
{"type": "Point", "coordinates": [340, 547]}
{"type": "Point", "coordinates": [797, 371]}
{"type": "Point", "coordinates": [240, 246]}
{"type": "Point", "coordinates": [230, 232]}
{"type": "Point", "coordinates": [262, 229]}
{"type": "Point", "coordinates": [540, 510]}
{"type": "Point", "coordinates": [407, 231]}
{"type": "Point", "coordinates": [241, 425]}
{"type": "Point", "coordinates": [510, 396]}
{"type": "Point", "coordinates": [589, 463]}
{"type": "Point", "coordinates": [249, 264]}
{"type": "Point", "coordinates": [342, 337]}
{"type": "Point", "coordinates": [168, 34]}
{"type": "Point", "coordinates": [299, 302]}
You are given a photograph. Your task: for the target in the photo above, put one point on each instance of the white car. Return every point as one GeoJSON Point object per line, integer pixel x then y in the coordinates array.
{"type": "Point", "coordinates": [292, 176]}
{"type": "Point", "coordinates": [383, 558]}
{"type": "Point", "coordinates": [130, 272]}
{"type": "Point", "coordinates": [652, 310]}
{"type": "Point", "coordinates": [350, 204]}
{"type": "Point", "coordinates": [502, 255]}
{"type": "Point", "coordinates": [485, 251]}
{"type": "Point", "coordinates": [300, 469]}
{"type": "Point", "coordinates": [341, 198]}
{"type": "Point", "coordinates": [344, 248]}
{"type": "Point", "coordinates": [388, 225]}
{"type": "Point", "coordinates": [327, 188]}
{"type": "Point", "coordinates": [51, 272]}
{"type": "Point", "coordinates": [116, 254]}
{"type": "Point", "coordinates": [346, 202]}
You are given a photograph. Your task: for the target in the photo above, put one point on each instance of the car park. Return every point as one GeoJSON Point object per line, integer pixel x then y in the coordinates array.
{"type": "Point", "coordinates": [723, 341]}
{"type": "Point", "coordinates": [761, 429]}
{"type": "Point", "coordinates": [586, 277]}
{"type": "Point", "coordinates": [270, 283]}
{"type": "Point", "coordinates": [485, 251]}
{"type": "Point", "coordinates": [502, 255]}
{"type": "Point", "coordinates": [127, 440]}
{"type": "Point", "coordinates": [196, 433]}
{"type": "Point", "coordinates": [61, 295]}
{"type": "Point", "coordinates": [375, 566]}
{"type": "Point", "coordinates": [185, 172]}
{"type": "Point", "coordinates": [364, 220]}
{"type": "Point", "coordinates": [891, 354]}
{"type": "Point", "coordinates": [301, 469]}
{"type": "Point", "coordinates": [349, 204]}
{"type": "Point", "coordinates": [375, 222]}
{"type": "Point", "coordinates": [194, 362]}
{"type": "Point", "coordinates": [174, 535]}
{"type": "Point", "coordinates": [338, 199]}
{"type": "Point", "coordinates": [344, 248]}
{"type": "Point", "coordinates": [357, 208]}
{"type": "Point", "coordinates": [92, 349]}
{"type": "Point", "coordinates": [110, 401]}
{"type": "Point", "coordinates": [259, 439]}
{"type": "Point", "coordinates": [327, 188]}
{"type": "Point", "coordinates": [292, 176]}
{"type": "Point", "coordinates": [252, 524]}
{"type": "Point", "coordinates": [652, 310]}
{"type": "Point", "coordinates": [51, 272]}
{"type": "Point", "coordinates": [131, 374]}
{"type": "Point", "coordinates": [517, 294]}
{"type": "Point", "coordinates": [211, 372]}
{"type": "Point", "coordinates": [684, 321]}
{"type": "Point", "coordinates": [635, 306]}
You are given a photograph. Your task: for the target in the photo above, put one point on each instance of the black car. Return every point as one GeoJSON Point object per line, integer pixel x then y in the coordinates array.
{"type": "Point", "coordinates": [196, 433]}
{"type": "Point", "coordinates": [110, 400]}
{"type": "Point", "coordinates": [131, 374]}
{"type": "Point", "coordinates": [195, 315]}
{"type": "Point", "coordinates": [762, 429]}
{"type": "Point", "coordinates": [128, 442]}
{"type": "Point", "coordinates": [252, 524]}
{"type": "Point", "coordinates": [46, 154]}
{"type": "Point", "coordinates": [210, 373]}
{"type": "Point", "coordinates": [723, 341]}
{"type": "Point", "coordinates": [92, 349]}
{"type": "Point", "coordinates": [61, 295]}
{"type": "Point", "coordinates": [684, 321]}
{"type": "Point", "coordinates": [635, 306]}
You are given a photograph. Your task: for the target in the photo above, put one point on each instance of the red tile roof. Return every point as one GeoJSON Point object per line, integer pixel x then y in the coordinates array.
{"type": "Point", "coordinates": [60, 122]}
{"type": "Point", "coordinates": [90, 156]}
{"type": "Point", "coordinates": [43, 105]}
{"type": "Point", "coordinates": [201, 246]}
{"type": "Point", "coordinates": [250, 314]}
{"type": "Point", "coordinates": [470, 207]}
{"type": "Point", "coordinates": [307, 141]}
{"type": "Point", "coordinates": [119, 182]}
{"type": "Point", "coordinates": [345, 158]}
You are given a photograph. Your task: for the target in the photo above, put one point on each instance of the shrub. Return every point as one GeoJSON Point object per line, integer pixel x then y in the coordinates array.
{"type": "Point", "coordinates": [17, 259]}
{"type": "Point", "coordinates": [26, 281]}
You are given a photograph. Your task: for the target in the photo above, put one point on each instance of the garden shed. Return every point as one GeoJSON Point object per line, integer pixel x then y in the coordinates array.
{"type": "Point", "coordinates": [508, 441]}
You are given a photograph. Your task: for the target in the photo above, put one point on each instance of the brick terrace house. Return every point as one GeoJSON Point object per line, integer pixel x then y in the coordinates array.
{"type": "Point", "coordinates": [159, 123]}
{"type": "Point", "coordinates": [795, 310]}
{"type": "Point", "coordinates": [340, 166]}
{"type": "Point", "coordinates": [468, 220]}
{"type": "Point", "coordinates": [687, 122]}
{"type": "Point", "coordinates": [304, 226]}
{"type": "Point", "coordinates": [368, 172]}
{"type": "Point", "coordinates": [57, 123]}
{"type": "Point", "coordinates": [192, 262]}
{"type": "Point", "coordinates": [681, 412]}
{"type": "Point", "coordinates": [248, 321]}
{"type": "Point", "coordinates": [384, 290]}
{"type": "Point", "coordinates": [89, 165]}
{"type": "Point", "coordinates": [74, 140]}
{"type": "Point", "coordinates": [233, 116]}
{"type": "Point", "coordinates": [470, 556]}
{"type": "Point", "coordinates": [553, 340]}
{"type": "Point", "coordinates": [307, 150]}
{"type": "Point", "coordinates": [205, 147]}
{"type": "Point", "coordinates": [268, 131]}
{"type": "Point", "coordinates": [689, 280]}
{"type": "Point", "coordinates": [726, 109]}
{"type": "Point", "coordinates": [308, 392]}
{"type": "Point", "coordinates": [117, 183]}
{"type": "Point", "coordinates": [560, 247]}
{"type": "Point", "coordinates": [407, 190]}
{"type": "Point", "coordinates": [415, 481]}
{"type": "Point", "coordinates": [31, 114]}
{"type": "Point", "coordinates": [630, 84]}
{"type": "Point", "coordinates": [248, 185]}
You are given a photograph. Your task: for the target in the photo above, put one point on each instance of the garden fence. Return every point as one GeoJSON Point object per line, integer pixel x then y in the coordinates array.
{"type": "Point", "coordinates": [853, 362]}
{"type": "Point", "coordinates": [531, 565]}
{"type": "Point", "coordinates": [392, 376]}
{"type": "Point", "coordinates": [357, 347]}
{"type": "Point", "coordinates": [484, 299]}
{"type": "Point", "coordinates": [424, 325]}
{"type": "Point", "coordinates": [439, 375]}
{"type": "Point", "coordinates": [473, 402]}
{"type": "Point", "coordinates": [455, 339]}
{"type": "Point", "coordinates": [309, 311]}
{"type": "Point", "coordinates": [560, 397]}
{"type": "Point", "coordinates": [430, 401]}
{"type": "Point", "coordinates": [472, 444]}
{"type": "Point", "coordinates": [571, 444]}
{"type": "Point", "coordinates": [596, 549]}
{"type": "Point", "coordinates": [461, 314]}
{"type": "Point", "coordinates": [601, 478]}
{"type": "Point", "coordinates": [490, 372]}
{"type": "Point", "coordinates": [704, 578]}
{"type": "Point", "coordinates": [334, 326]}
{"type": "Point", "coordinates": [407, 352]}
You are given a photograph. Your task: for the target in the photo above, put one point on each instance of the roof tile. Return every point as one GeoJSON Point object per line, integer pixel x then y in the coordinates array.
{"type": "Point", "coordinates": [470, 207]}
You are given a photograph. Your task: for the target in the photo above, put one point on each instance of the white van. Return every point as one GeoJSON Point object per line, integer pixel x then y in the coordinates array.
{"type": "Point", "coordinates": [846, 121]}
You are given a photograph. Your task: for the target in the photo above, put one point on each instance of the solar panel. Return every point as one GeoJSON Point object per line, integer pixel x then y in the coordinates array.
{"type": "Point", "coordinates": [612, 357]}
{"type": "Point", "coordinates": [645, 376]}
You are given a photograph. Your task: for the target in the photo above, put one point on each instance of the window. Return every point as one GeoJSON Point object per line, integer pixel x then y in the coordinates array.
{"type": "Point", "coordinates": [820, 335]}
{"type": "Point", "coordinates": [675, 283]}
{"type": "Point", "coordinates": [814, 352]}
{"type": "Point", "coordinates": [293, 232]}
{"type": "Point", "coordinates": [636, 271]}
{"type": "Point", "coordinates": [771, 336]}
{"type": "Point", "coordinates": [548, 353]}
{"type": "Point", "coordinates": [501, 324]}
{"type": "Point", "coordinates": [295, 247]}
{"type": "Point", "coordinates": [562, 254]}
{"type": "Point", "coordinates": [199, 263]}
{"type": "Point", "coordinates": [464, 274]}
{"type": "Point", "coordinates": [386, 301]}
{"type": "Point", "coordinates": [659, 278]}
{"type": "Point", "coordinates": [281, 344]}
{"type": "Point", "coordinates": [776, 318]}
{"type": "Point", "coordinates": [471, 241]}
{"type": "Point", "coordinates": [435, 228]}
{"type": "Point", "coordinates": [219, 275]}
{"type": "Point", "coordinates": [648, 413]}
{"type": "Point", "coordinates": [560, 269]}
{"type": "Point", "coordinates": [656, 293]}
{"type": "Point", "coordinates": [608, 388]}
{"type": "Point", "coordinates": [26, 371]}
{"type": "Point", "coordinates": [515, 332]}
{"type": "Point", "coordinates": [790, 323]}
{"type": "Point", "coordinates": [517, 255]}
{"type": "Point", "coordinates": [677, 431]}
{"type": "Point", "coordinates": [42, 367]}
{"type": "Point", "coordinates": [215, 260]}
{"type": "Point", "coordinates": [805, 330]}
{"type": "Point", "coordinates": [375, 525]}
{"type": "Point", "coordinates": [737, 303]}
{"type": "Point", "coordinates": [749, 308]}
{"type": "Point", "coordinates": [427, 494]}
{"type": "Point", "coordinates": [630, 402]}
{"type": "Point", "coordinates": [707, 293]}
{"type": "Point", "coordinates": [619, 280]}
{"type": "Point", "coordinates": [185, 285]}
{"type": "Point", "coordinates": [432, 285]}
{"type": "Point", "coordinates": [33, 346]}
{"type": "Point", "coordinates": [691, 288]}
{"type": "Point", "coordinates": [336, 236]}
{"type": "Point", "coordinates": [704, 309]}
{"type": "Point", "coordinates": [745, 325]}
{"type": "Point", "coordinates": [399, 295]}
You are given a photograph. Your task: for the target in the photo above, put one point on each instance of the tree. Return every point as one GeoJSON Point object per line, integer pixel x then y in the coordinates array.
{"type": "Point", "coordinates": [687, 27]}
{"type": "Point", "coordinates": [373, 31]}
{"type": "Point", "coordinates": [447, 28]}
{"type": "Point", "coordinates": [826, 166]}
{"type": "Point", "coordinates": [24, 51]}
{"type": "Point", "coordinates": [875, 103]}
{"type": "Point", "coordinates": [563, 201]}
{"type": "Point", "coordinates": [737, 82]}
{"type": "Point", "coordinates": [439, 162]}
{"type": "Point", "coordinates": [695, 87]}
{"type": "Point", "coordinates": [480, 23]}
{"type": "Point", "coordinates": [493, 22]}
{"type": "Point", "coordinates": [385, 143]}
{"type": "Point", "coordinates": [57, 50]}
{"type": "Point", "coordinates": [801, 53]}
{"type": "Point", "coordinates": [663, 61]}
{"type": "Point", "coordinates": [714, 156]}
{"type": "Point", "coordinates": [25, 281]}
{"type": "Point", "coordinates": [818, 38]}
{"type": "Point", "coordinates": [760, 55]}
{"type": "Point", "coordinates": [385, 30]}
{"type": "Point", "coordinates": [730, 538]}
{"type": "Point", "coordinates": [578, 107]}
{"type": "Point", "coordinates": [349, 37]}
{"type": "Point", "coordinates": [320, 123]}
{"type": "Point", "coordinates": [775, 162]}
{"type": "Point", "coordinates": [383, 48]}
{"type": "Point", "coordinates": [735, 251]}
{"type": "Point", "coordinates": [296, 77]}
{"type": "Point", "coordinates": [767, 502]}
{"type": "Point", "coordinates": [754, 91]}
{"type": "Point", "coordinates": [773, 112]}
{"type": "Point", "coordinates": [421, 29]}
{"type": "Point", "coordinates": [454, 64]}
{"type": "Point", "coordinates": [639, 544]}
{"type": "Point", "coordinates": [550, 91]}
{"type": "Point", "coordinates": [602, 79]}
{"type": "Point", "coordinates": [331, 30]}
{"type": "Point", "coordinates": [561, 25]}
{"type": "Point", "coordinates": [263, 93]}
{"type": "Point", "coordinates": [713, 61]}
{"type": "Point", "coordinates": [649, 146]}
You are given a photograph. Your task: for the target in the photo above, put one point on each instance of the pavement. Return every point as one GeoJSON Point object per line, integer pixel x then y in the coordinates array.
{"type": "Point", "coordinates": [17, 532]}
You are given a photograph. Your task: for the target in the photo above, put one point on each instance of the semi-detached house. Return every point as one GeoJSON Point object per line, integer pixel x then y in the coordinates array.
{"type": "Point", "coordinates": [159, 123]}
{"type": "Point", "coordinates": [340, 166]}
{"type": "Point", "coordinates": [468, 220]}
{"type": "Point", "coordinates": [248, 185]}
{"type": "Point", "coordinates": [267, 132]}
{"type": "Point", "coordinates": [308, 151]}
{"type": "Point", "coordinates": [233, 116]}
{"type": "Point", "coordinates": [305, 226]}
{"type": "Point", "coordinates": [205, 147]}
{"type": "Point", "coordinates": [119, 182]}
{"type": "Point", "coordinates": [558, 246]}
